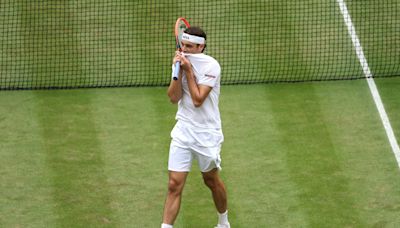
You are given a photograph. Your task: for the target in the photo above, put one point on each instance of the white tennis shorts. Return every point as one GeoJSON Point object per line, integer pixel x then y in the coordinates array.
{"type": "Point", "coordinates": [189, 143]}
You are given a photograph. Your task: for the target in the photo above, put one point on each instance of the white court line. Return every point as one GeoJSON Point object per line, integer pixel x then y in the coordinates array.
{"type": "Point", "coordinates": [370, 80]}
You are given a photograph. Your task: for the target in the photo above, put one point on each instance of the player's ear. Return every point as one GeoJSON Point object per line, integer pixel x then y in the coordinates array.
{"type": "Point", "coordinates": [202, 47]}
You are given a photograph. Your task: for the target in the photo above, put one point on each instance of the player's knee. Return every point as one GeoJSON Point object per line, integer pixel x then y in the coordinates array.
{"type": "Point", "coordinates": [175, 187]}
{"type": "Point", "coordinates": [211, 182]}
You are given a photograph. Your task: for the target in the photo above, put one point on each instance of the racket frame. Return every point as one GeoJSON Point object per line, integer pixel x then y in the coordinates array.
{"type": "Point", "coordinates": [177, 30]}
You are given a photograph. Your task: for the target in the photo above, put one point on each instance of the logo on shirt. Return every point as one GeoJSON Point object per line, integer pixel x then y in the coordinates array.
{"type": "Point", "coordinates": [210, 76]}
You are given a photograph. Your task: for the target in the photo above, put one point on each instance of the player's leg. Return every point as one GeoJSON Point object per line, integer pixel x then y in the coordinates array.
{"type": "Point", "coordinates": [218, 190]}
{"type": "Point", "coordinates": [217, 187]}
{"type": "Point", "coordinates": [172, 203]}
{"type": "Point", "coordinates": [210, 166]}
{"type": "Point", "coordinates": [209, 160]}
{"type": "Point", "coordinates": [179, 165]}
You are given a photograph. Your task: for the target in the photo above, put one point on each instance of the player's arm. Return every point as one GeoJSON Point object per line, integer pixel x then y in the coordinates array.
{"type": "Point", "coordinates": [198, 93]}
{"type": "Point", "coordinates": [175, 87]}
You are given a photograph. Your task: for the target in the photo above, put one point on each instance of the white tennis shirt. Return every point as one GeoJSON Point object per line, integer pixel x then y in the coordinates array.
{"type": "Point", "coordinates": [207, 72]}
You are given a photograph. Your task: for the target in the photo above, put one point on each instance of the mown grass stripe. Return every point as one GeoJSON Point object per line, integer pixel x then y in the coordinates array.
{"type": "Point", "coordinates": [74, 158]}
{"type": "Point", "coordinates": [254, 164]}
{"type": "Point", "coordinates": [25, 189]}
{"type": "Point", "coordinates": [134, 127]}
{"type": "Point", "coordinates": [313, 162]}
{"type": "Point", "coordinates": [68, 134]}
{"type": "Point", "coordinates": [367, 162]}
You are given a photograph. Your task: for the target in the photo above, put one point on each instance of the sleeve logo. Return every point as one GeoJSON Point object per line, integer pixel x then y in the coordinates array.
{"type": "Point", "coordinates": [210, 76]}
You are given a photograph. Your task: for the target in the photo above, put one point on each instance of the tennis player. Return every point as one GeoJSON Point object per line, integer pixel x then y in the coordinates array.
{"type": "Point", "coordinates": [197, 134]}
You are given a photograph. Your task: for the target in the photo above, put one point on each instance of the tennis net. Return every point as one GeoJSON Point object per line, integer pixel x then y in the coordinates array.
{"type": "Point", "coordinates": [114, 43]}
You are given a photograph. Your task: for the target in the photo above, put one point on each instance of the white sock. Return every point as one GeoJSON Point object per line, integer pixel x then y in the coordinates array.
{"type": "Point", "coordinates": [223, 218]}
{"type": "Point", "coordinates": [166, 226]}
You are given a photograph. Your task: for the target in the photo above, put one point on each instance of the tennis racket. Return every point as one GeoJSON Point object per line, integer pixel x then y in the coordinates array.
{"type": "Point", "coordinates": [180, 26]}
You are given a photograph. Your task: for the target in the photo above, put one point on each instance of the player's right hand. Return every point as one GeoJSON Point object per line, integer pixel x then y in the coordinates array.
{"type": "Point", "coordinates": [177, 57]}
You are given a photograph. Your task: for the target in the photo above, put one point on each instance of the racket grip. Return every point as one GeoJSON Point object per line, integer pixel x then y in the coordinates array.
{"type": "Point", "coordinates": [176, 71]}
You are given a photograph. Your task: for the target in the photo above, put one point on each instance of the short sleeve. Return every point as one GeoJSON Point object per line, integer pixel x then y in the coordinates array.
{"type": "Point", "coordinates": [211, 75]}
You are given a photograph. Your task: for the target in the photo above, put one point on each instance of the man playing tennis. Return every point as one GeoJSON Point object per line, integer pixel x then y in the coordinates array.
{"type": "Point", "coordinates": [197, 134]}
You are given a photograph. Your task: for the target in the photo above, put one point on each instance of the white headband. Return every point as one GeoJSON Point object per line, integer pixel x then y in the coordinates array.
{"type": "Point", "coordinates": [193, 39]}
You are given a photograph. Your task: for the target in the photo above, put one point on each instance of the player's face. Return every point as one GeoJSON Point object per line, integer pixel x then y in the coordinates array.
{"type": "Point", "coordinates": [191, 48]}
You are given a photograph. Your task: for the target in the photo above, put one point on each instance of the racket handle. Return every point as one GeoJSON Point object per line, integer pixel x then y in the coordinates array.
{"type": "Point", "coordinates": [176, 71]}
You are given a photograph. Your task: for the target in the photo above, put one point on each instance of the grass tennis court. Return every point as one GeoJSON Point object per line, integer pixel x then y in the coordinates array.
{"type": "Point", "coordinates": [295, 155]}
{"type": "Point", "coordinates": [310, 155]}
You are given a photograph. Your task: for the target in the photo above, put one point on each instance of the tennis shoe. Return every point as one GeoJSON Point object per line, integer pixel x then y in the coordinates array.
{"type": "Point", "coordinates": [223, 226]}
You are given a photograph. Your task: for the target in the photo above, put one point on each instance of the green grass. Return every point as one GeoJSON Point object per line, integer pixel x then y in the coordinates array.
{"type": "Point", "coordinates": [307, 155]}
{"type": "Point", "coordinates": [295, 155]}
{"type": "Point", "coordinates": [125, 43]}
{"type": "Point", "coordinates": [381, 51]}
{"type": "Point", "coordinates": [388, 90]}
